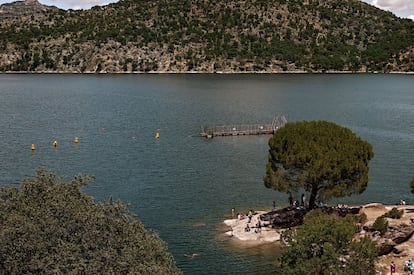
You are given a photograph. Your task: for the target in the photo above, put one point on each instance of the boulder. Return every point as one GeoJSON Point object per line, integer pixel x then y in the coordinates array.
{"type": "Point", "coordinates": [385, 246]}
{"type": "Point", "coordinates": [395, 235]}
{"type": "Point", "coordinates": [286, 217]}
{"type": "Point", "coordinates": [399, 233]}
{"type": "Point", "coordinates": [293, 216]}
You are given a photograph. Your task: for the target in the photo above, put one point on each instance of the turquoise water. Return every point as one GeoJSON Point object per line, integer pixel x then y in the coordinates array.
{"type": "Point", "coordinates": [180, 186]}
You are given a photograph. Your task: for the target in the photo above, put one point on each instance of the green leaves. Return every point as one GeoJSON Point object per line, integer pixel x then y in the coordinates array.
{"type": "Point", "coordinates": [50, 226]}
{"type": "Point", "coordinates": [380, 224]}
{"type": "Point", "coordinates": [324, 245]}
{"type": "Point", "coordinates": [321, 157]}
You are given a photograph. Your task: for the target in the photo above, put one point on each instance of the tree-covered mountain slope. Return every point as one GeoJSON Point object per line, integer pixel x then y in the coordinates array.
{"type": "Point", "coordinates": [205, 36]}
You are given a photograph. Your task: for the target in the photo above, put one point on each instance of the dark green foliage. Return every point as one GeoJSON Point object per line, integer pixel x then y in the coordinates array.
{"type": "Point", "coordinates": [49, 227]}
{"type": "Point", "coordinates": [394, 213]}
{"type": "Point", "coordinates": [320, 157]}
{"type": "Point", "coordinates": [324, 245]}
{"type": "Point", "coordinates": [412, 185]}
{"type": "Point", "coordinates": [380, 224]}
{"type": "Point", "coordinates": [360, 219]}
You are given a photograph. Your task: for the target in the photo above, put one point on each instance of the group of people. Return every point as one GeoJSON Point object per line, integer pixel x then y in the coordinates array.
{"type": "Point", "coordinates": [296, 202]}
{"type": "Point", "coordinates": [257, 229]}
{"type": "Point", "coordinates": [408, 267]}
{"type": "Point", "coordinates": [242, 216]}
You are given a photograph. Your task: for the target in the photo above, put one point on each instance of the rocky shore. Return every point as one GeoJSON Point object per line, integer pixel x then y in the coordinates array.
{"type": "Point", "coordinates": [398, 242]}
{"type": "Point", "coordinates": [396, 245]}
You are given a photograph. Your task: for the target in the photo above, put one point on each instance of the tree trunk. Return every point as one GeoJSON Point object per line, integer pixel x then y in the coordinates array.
{"type": "Point", "coordinates": [312, 198]}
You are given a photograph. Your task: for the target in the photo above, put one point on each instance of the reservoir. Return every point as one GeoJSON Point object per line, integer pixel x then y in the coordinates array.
{"type": "Point", "coordinates": [180, 186]}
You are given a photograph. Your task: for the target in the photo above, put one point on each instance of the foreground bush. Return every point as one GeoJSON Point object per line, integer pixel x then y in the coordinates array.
{"type": "Point", "coordinates": [325, 245]}
{"type": "Point", "coordinates": [51, 227]}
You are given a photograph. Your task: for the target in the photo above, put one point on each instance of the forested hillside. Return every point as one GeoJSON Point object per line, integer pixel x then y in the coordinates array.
{"type": "Point", "coordinates": [206, 36]}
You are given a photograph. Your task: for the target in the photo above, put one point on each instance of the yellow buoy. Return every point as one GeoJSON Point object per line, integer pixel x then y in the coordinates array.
{"type": "Point", "coordinates": [76, 139]}
{"type": "Point", "coordinates": [55, 143]}
{"type": "Point", "coordinates": [157, 135]}
{"type": "Point", "coordinates": [33, 147]}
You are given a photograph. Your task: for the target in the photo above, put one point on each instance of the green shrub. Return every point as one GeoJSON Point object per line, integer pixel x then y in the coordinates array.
{"type": "Point", "coordinates": [321, 244]}
{"type": "Point", "coordinates": [381, 225]}
{"type": "Point", "coordinates": [360, 219]}
{"type": "Point", "coordinates": [394, 213]}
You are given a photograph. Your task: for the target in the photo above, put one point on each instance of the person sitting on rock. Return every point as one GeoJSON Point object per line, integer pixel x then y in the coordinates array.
{"type": "Point", "coordinates": [296, 203]}
{"type": "Point", "coordinates": [409, 266]}
{"type": "Point", "coordinates": [247, 228]}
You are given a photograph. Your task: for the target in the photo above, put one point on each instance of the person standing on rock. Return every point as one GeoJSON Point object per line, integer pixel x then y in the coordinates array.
{"type": "Point", "coordinates": [393, 268]}
{"type": "Point", "coordinates": [250, 215]}
{"type": "Point", "coordinates": [258, 227]}
{"type": "Point", "coordinates": [290, 199]}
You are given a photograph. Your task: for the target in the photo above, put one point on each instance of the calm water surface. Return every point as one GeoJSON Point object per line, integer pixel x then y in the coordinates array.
{"type": "Point", "coordinates": [180, 186]}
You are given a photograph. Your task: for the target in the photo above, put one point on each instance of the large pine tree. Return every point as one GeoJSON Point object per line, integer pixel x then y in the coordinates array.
{"type": "Point", "coordinates": [320, 157]}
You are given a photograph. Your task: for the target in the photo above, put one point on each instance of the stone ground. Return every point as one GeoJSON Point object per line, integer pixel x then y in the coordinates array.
{"type": "Point", "coordinates": [406, 249]}
{"type": "Point", "coordinates": [266, 234]}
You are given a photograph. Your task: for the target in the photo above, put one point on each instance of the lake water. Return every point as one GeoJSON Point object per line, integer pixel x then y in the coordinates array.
{"type": "Point", "coordinates": [180, 186]}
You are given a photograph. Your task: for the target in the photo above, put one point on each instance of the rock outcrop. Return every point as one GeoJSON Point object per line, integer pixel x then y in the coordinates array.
{"type": "Point", "coordinates": [22, 8]}
{"type": "Point", "coordinates": [397, 243]}
{"type": "Point", "coordinates": [293, 216]}
{"type": "Point", "coordinates": [395, 235]}
{"type": "Point", "coordinates": [286, 217]}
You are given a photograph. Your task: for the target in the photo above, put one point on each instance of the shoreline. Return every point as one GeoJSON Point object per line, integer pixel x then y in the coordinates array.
{"type": "Point", "coordinates": [201, 72]}
{"type": "Point", "coordinates": [401, 252]}
{"type": "Point", "coordinates": [235, 227]}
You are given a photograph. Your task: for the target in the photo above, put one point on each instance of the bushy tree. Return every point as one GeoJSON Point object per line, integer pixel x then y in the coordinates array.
{"type": "Point", "coordinates": [320, 157]}
{"type": "Point", "coordinates": [394, 213]}
{"type": "Point", "coordinates": [50, 227]}
{"type": "Point", "coordinates": [380, 225]}
{"type": "Point", "coordinates": [324, 245]}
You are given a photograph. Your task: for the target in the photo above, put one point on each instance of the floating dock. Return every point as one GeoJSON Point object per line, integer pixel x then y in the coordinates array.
{"type": "Point", "coordinates": [243, 129]}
